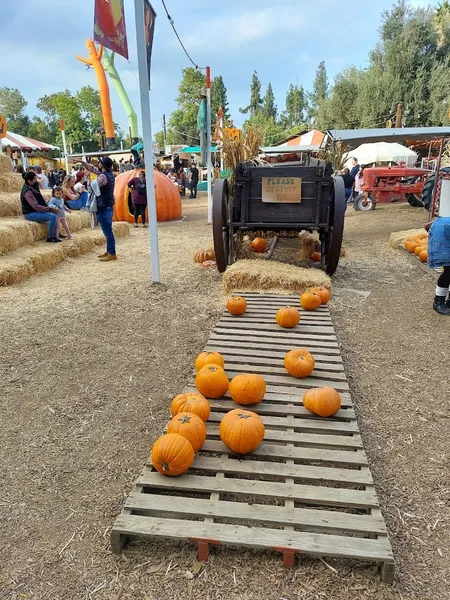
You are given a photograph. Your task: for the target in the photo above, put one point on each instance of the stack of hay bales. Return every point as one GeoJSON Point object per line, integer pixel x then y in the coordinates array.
{"type": "Point", "coordinates": [10, 184]}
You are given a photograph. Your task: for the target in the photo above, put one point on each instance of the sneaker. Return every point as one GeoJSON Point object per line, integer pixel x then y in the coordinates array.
{"type": "Point", "coordinates": [144, 226]}
{"type": "Point", "coordinates": [440, 306]}
{"type": "Point", "coordinates": [108, 257]}
{"type": "Point", "coordinates": [62, 237]}
{"type": "Point", "coordinates": [53, 240]}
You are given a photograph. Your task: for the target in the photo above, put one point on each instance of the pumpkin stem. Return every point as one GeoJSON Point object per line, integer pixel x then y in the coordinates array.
{"type": "Point", "coordinates": [185, 419]}
{"type": "Point", "coordinates": [165, 467]}
{"type": "Point", "coordinates": [244, 416]}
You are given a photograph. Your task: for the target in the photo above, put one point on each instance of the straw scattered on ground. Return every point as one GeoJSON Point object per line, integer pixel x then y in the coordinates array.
{"type": "Point", "coordinates": [272, 275]}
{"type": "Point", "coordinates": [398, 238]}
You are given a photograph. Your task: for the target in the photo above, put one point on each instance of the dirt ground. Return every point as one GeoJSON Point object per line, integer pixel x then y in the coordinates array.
{"type": "Point", "coordinates": [92, 355]}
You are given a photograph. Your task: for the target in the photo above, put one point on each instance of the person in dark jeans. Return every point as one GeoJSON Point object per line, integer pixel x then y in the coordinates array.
{"type": "Point", "coordinates": [138, 197]}
{"type": "Point", "coordinates": [105, 204]}
{"type": "Point", "coordinates": [194, 181]}
{"type": "Point", "coordinates": [349, 182]}
{"type": "Point", "coordinates": [34, 207]}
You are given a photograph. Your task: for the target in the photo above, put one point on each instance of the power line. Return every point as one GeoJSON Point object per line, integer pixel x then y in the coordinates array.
{"type": "Point", "coordinates": [171, 21]}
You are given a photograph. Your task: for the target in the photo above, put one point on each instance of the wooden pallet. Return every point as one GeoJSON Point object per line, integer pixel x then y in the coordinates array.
{"type": "Point", "coordinates": [433, 272]}
{"type": "Point", "coordinates": [306, 489]}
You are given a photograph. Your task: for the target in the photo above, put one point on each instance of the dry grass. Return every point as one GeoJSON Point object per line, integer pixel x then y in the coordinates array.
{"type": "Point", "coordinates": [5, 163]}
{"type": "Point", "coordinates": [246, 148]}
{"type": "Point", "coordinates": [309, 243]}
{"type": "Point", "coordinates": [35, 259]}
{"type": "Point", "coordinates": [398, 238]}
{"type": "Point", "coordinates": [246, 275]}
{"type": "Point", "coordinates": [10, 182]}
{"type": "Point", "coordinates": [15, 233]}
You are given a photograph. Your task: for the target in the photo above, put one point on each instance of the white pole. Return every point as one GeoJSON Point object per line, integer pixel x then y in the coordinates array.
{"type": "Point", "coordinates": [63, 133]}
{"type": "Point", "coordinates": [221, 144]}
{"type": "Point", "coordinates": [147, 137]}
{"type": "Point", "coordinates": [208, 141]}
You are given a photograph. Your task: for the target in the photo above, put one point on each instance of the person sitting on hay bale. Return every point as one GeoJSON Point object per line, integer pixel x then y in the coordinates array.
{"type": "Point", "coordinates": [73, 199]}
{"type": "Point", "coordinates": [439, 256]}
{"type": "Point", "coordinates": [34, 207]}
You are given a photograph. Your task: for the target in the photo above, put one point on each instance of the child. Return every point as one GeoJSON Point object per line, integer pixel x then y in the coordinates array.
{"type": "Point", "coordinates": [439, 256]}
{"type": "Point", "coordinates": [58, 202]}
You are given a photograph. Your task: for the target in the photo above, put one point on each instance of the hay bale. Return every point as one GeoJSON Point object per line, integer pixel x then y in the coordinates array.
{"type": "Point", "coordinates": [28, 261]}
{"type": "Point", "coordinates": [309, 243]}
{"type": "Point", "coordinates": [398, 238]}
{"type": "Point", "coordinates": [10, 205]}
{"type": "Point", "coordinates": [11, 182]}
{"type": "Point", "coordinates": [5, 163]}
{"type": "Point", "coordinates": [251, 275]}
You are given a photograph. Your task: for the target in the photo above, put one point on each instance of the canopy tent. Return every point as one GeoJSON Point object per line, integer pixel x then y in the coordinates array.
{"type": "Point", "coordinates": [354, 137]}
{"type": "Point", "coordinates": [25, 144]}
{"type": "Point", "coordinates": [381, 152]}
{"type": "Point", "coordinates": [194, 150]}
{"type": "Point", "coordinates": [287, 149]}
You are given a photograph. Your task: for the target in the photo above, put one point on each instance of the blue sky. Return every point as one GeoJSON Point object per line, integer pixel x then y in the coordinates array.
{"type": "Point", "coordinates": [282, 40]}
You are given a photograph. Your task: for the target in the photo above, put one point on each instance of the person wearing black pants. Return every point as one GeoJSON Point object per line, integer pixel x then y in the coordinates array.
{"type": "Point", "coordinates": [138, 189]}
{"type": "Point", "coordinates": [139, 210]}
{"type": "Point", "coordinates": [194, 181]}
{"type": "Point", "coordinates": [439, 256]}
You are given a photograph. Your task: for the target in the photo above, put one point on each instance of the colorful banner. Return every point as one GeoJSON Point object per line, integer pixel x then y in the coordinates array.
{"type": "Point", "coordinates": [150, 17]}
{"type": "Point", "coordinates": [109, 26]}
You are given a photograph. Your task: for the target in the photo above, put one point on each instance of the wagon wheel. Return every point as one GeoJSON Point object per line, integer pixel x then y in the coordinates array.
{"type": "Point", "coordinates": [332, 240]}
{"type": "Point", "coordinates": [222, 236]}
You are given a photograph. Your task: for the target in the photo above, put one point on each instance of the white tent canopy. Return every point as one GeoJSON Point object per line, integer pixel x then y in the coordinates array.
{"type": "Point", "coordinates": [381, 152]}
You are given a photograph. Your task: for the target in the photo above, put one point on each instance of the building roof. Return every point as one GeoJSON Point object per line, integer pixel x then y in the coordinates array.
{"type": "Point", "coordinates": [355, 137]}
{"type": "Point", "coordinates": [290, 149]}
{"type": "Point", "coordinates": [305, 138]}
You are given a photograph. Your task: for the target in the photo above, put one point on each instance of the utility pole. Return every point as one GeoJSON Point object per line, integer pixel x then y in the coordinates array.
{"type": "Point", "coordinates": [208, 141]}
{"type": "Point", "coordinates": [398, 115]}
{"type": "Point", "coordinates": [165, 133]}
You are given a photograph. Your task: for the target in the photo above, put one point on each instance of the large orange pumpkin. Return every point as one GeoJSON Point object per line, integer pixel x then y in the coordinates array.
{"type": "Point", "coordinates": [241, 430]}
{"type": "Point", "coordinates": [192, 403]}
{"type": "Point", "coordinates": [299, 363]}
{"type": "Point", "coordinates": [324, 294]}
{"type": "Point", "coordinates": [287, 317]}
{"type": "Point", "coordinates": [208, 358]}
{"type": "Point", "coordinates": [324, 402]}
{"type": "Point", "coordinates": [168, 200]}
{"type": "Point", "coordinates": [236, 305]}
{"type": "Point", "coordinates": [247, 388]}
{"type": "Point", "coordinates": [259, 244]}
{"type": "Point", "coordinates": [310, 301]}
{"type": "Point", "coordinates": [212, 381]}
{"type": "Point", "coordinates": [190, 426]}
{"type": "Point", "coordinates": [172, 454]}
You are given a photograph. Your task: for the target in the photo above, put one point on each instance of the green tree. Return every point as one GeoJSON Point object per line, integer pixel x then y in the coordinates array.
{"type": "Point", "coordinates": [63, 105]}
{"type": "Point", "coordinates": [159, 139]}
{"type": "Point", "coordinates": [271, 130]}
{"type": "Point", "coordinates": [320, 90]}
{"type": "Point", "coordinates": [88, 100]}
{"type": "Point", "coordinates": [255, 96]}
{"type": "Point", "coordinates": [295, 106]}
{"type": "Point", "coordinates": [182, 125]}
{"type": "Point", "coordinates": [219, 98]}
{"type": "Point", "coordinates": [43, 131]}
{"type": "Point", "coordinates": [12, 106]}
{"type": "Point", "coordinates": [269, 108]}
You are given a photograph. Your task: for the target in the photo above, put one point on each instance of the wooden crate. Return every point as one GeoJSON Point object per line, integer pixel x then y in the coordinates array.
{"type": "Point", "coordinates": [306, 489]}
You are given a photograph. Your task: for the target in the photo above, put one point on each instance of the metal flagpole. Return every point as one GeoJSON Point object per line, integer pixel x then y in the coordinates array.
{"type": "Point", "coordinates": [221, 138]}
{"type": "Point", "coordinates": [147, 136]}
{"type": "Point", "coordinates": [208, 140]}
{"type": "Point", "coordinates": [63, 134]}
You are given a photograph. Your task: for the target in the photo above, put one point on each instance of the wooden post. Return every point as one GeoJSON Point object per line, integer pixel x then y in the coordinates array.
{"type": "Point", "coordinates": [398, 115]}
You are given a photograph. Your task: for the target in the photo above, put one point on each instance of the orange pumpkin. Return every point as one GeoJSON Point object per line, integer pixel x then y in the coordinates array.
{"type": "Point", "coordinates": [310, 301]}
{"type": "Point", "coordinates": [192, 403]}
{"type": "Point", "coordinates": [299, 363]}
{"type": "Point", "coordinates": [316, 256]}
{"type": "Point", "coordinates": [190, 426]}
{"type": "Point", "coordinates": [209, 358]}
{"type": "Point", "coordinates": [424, 256]}
{"type": "Point", "coordinates": [236, 305]}
{"type": "Point", "coordinates": [288, 317]}
{"type": "Point", "coordinates": [259, 244]}
{"type": "Point", "coordinates": [247, 388]}
{"type": "Point", "coordinates": [324, 402]}
{"type": "Point", "coordinates": [212, 381]}
{"type": "Point", "coordinates": [324, 294]}
{"type": "Point", "coordinates": [241, 430]}
{"type": "Point", "coordinates": [419, 249]}
{"type": "Point", "coordinates": [172, 454]}
{"type": "Point", "coordinates": [411, 245]}
{"type": "Point", "coordinates": [168, 201]}
{"type": "Point", "coordinates": [201, 256]}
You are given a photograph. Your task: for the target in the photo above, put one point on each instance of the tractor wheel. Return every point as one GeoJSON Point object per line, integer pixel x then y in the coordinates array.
{"type": "Point", "coordinates": [414, 200]}
{"type": "Point", "coordinates": [362, 202]}
{"type": "Point", "coordinates": [427, 192]}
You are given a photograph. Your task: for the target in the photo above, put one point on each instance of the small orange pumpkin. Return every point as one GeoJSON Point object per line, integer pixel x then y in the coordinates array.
{"type": "Point", "coordinates": [411, 246]}
{"type": "Point", "coordinates": [310, 301]}
{"type": "Point", "coordinates": [424, 256]}
{"type": "Point", "coordinates": [288, 317]}
{"type": "Point", "coordinates": [236, 305]}
{"type": "Point", "coordinates": [299, 363]}
{"type": "Point", "coordinates": [209, 358]}
{"type": "Point", "coordinates": [212, 381]}
{"type": "Point", "coordinates": [172, 454]}
{"type": "Point", "coordinates": [192, 403]}
{"type": "Point", "coordinates": [324, 294]}
{"type": "Point", "coordinates": [419, 249]}
{"type": "Point", "coordinates": [247, 388]}
{"type": "Point", "coordinates": [200, 256]}
{"type": "Point", "coordinates": [190, 426]}
{"type": "Point", "coordinates": [324, 402]}
{"type": "Point", "coordinates": [241, 430]}
{"type": "Point", "coordinates": [259, 244]}
{"type": "Point", "coordinates": [316, 256]}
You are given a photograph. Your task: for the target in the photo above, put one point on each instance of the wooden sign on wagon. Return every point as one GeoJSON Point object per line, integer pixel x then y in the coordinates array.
{"type": "Point", "coordinates": [282, 190]}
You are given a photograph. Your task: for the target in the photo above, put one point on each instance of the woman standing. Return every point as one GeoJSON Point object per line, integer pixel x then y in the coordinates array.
{"type": "Point", "coordinates": [34, 207]}
{"type": "Point", "coordinates": [73, 199]}
{"type": "Point", "coordinates": [138, 189]}
{"type": "Point", "coordinates": [439, 256]}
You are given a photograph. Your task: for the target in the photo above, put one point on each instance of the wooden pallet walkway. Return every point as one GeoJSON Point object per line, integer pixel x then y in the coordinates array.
{"type": "Point", "coordinates": [307, 489]}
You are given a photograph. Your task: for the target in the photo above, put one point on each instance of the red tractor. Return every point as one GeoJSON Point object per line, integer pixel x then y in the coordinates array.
{"type": "Point", "coordinates": [390, 184]}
